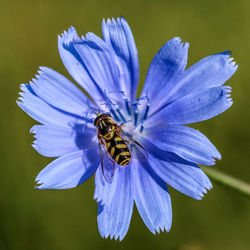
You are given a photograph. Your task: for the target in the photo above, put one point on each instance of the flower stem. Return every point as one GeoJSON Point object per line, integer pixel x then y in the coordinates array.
{"type": "Point", "coordinates": [228, 180]}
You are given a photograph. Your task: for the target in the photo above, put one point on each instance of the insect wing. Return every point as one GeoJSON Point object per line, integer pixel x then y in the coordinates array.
{"type": "Point", "coordinates": [107, 164]}
{"type": "Point", "coordinates": [136, 149]}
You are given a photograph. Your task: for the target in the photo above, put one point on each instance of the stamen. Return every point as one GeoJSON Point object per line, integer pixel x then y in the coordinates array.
{"type": "Point", "coordinates": [134, 105]}
{"type": "Point", "coordinates": [146, 111]}
{"type": "Point", "coordinates": [116, 109]}
{"type": "Point", "coordinates": [127, 106]}
{"type": "Point", "coordinates": [114, 115]}
{"type": "Point", "coordinates": [145, 115]}
{"type": "Point", "coordinates": [109, 104]}
{"type": "Point", "coordinates": [139, 124]}
{"type": "Point", "coordinates": [86, 118]}
{"type": "Point", "coordinates": [142, 127]}
{"type": "Point", "coordinates": [125, 122]}
{"type": "Point", "coordinates": [116, 91]}
{"type": "Point", "coordinates": [121, 115]}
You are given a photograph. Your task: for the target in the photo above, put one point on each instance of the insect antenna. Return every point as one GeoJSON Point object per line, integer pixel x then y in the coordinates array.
{"type": "Point", "coordinates": [96, 113]}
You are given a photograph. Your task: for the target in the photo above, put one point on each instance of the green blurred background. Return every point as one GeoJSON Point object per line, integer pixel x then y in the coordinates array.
{"type": "Point", "coordinates": [48, 219]}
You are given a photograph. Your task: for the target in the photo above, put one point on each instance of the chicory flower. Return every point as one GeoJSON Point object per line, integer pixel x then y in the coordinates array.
{"type": "Point", "coordinates": [173, 96]}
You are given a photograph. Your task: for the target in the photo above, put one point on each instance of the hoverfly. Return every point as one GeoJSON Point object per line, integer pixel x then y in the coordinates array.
{"type": "Point", "coordinates": [115, 145]}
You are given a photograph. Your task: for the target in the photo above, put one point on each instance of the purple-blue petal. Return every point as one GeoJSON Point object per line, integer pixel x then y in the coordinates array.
{"type": "Point", "coordinates": [91, 62]}
{"type": "Point", "coordinates": [195, 107]}
{"type": "Point", "coordinates": [74, 64]}
{"type": "Point", "coordinates": [186, 142]}
{"type": "Point", "coordinates": [115, 203]}
{"type": "Point", "coordinates": [54, 141]}
{"type": "Point", "coordinates": [182, 175]}
{"type": "Point", "coordinates": [69, 170]}
{"type": "Point", "coordinates": [118, 35]}
{"type": "Point", "coordinates": [59, 92]}
{"type": "Point", "coordinates": [211, 71]}
{"type": "Point", "coordinates": [43, 112]}
{"type": "Point", "coordinates": [168, 64]}
{"type": "Point", "coordinates": [99, 60]}
{"type": "Point", "coordinates": [152, 198]}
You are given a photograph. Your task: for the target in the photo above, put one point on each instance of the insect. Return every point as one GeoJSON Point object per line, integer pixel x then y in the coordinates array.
{"type": "Point", "coordinates": [115, 145]}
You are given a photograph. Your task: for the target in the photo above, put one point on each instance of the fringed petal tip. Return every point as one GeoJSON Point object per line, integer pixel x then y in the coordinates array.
{"type": "Point", "coordinates": [24, 88]}
{"type": "Point", "coordinates": [226, 90]}
{"type": "Point", "coordinates": [216, 155]}
{"type": "Point", "coordinates": [37, 148]}
{"type": "Point", "coordinates": [116, 236]}
{"type": "Point", "coordinates": [68, 36]}
{"type": "Point", "coordinates": [213, 160]}
{"type": "Point", "coordinates": [40, 150]}
{"type": "Point", "coordinates": [229, 60]}
{"type": "Point", "coordinates": [179, 41]}
{"type": "Point", "coordinates": [25, 91]}
{"type": "Point", "coordinates": [38, 184]}
{"type": "Point", "coordinates": [161, 228]}
{"type": "Point", "coordinates": [119, 20]}
{"type": "Point", "coordinates": [203, 190]}
{"type": "Point", "coordinates": [42, 72]}
{"type": "Point", "coordinates": [33, 131]}
{"type": "Point", "coordinates": [106, 236]}
{"type": "Point", "coordinates": [98, 199]}
{"type": "Point", "coordinates": [19, 101]}
{"type": "Point", "coordinates": [115, 233]}
{"type": "Point", "coordinates": [201, 195]}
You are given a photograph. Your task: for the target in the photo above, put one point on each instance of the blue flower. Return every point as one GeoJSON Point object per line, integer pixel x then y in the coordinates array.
{"type": "Point", "coordinates": [173, 96]}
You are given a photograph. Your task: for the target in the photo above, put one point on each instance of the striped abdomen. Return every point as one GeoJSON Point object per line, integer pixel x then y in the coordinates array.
{"type": "Point", "coordinates": [118, 150]}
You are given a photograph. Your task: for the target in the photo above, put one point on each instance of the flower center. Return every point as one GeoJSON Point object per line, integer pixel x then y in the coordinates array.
{"type": "Point", "coordinates": [125, 112]}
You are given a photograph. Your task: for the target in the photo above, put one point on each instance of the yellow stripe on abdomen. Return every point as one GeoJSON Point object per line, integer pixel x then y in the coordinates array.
{"type": "Point", "coordinates": [109, 135]}
{"type": "Point", "coordinates": [125, 153]}
{"type": "Point", "coordinates": [108, 145]}
{"type": "Point", "coordinates": [118, 138]}
{"type": "Point", "coordinates": [125, 162]}
{"type": "Point", "coordinates": [112, 151]}
{"type": "Point", "coordinates": [120, 146]}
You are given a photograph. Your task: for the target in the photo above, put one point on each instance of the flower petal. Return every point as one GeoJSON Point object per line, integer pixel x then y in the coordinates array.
{"type": "Point", "coordinates": [168, 64]}
{"type": "Point", "coordinates": [211, 71]}
{"type": "Point", "coordinates": [91, 62]}
{"type": "Point", "coordinates": [115, 203]}
{"type": "Point", "coordinates": [186, 142]}
{"type": "Point", "coordinates": [118, 35]}
{"type": "Point", "coordinates": [152, 198]}
{"type": "Point", "coordinates": [60, 93]}
{"type": "Point", "coordinates": [54, 141]}
{"type": "Point", "coordinates": [43, 112]}
{"type": "Point", "coordinates": [73, 62]}
{"type": "Point", "coordinates": [195, 107]}
{"type": "Point", "coordinates": [69, 170]}
{"type": "Point", "coordinates": [184, 176]}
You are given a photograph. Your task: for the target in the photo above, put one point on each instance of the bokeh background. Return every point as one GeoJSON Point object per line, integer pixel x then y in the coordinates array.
{"type": "Point", "coordinates": [48, 219]}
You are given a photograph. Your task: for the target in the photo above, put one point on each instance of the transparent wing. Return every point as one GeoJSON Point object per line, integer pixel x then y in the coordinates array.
{"type": "Point", "coordinates": [107, 163]}
{"type": "Point", "coordinates": [136, 149]}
